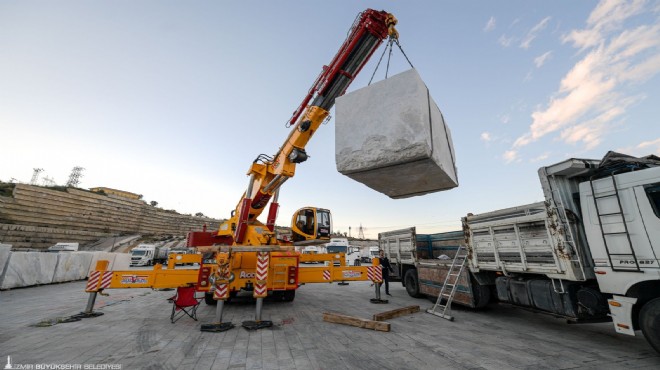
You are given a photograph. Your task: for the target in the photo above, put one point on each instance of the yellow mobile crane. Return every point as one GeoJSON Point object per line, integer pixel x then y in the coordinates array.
{"type": "Point", "coordinates": [247, 255]}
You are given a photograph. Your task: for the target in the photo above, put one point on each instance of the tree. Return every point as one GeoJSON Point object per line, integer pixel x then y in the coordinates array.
{"type": "Point", "coordinates": [153, 203]}
{"type": "Point", "coordinates": [199, 214]}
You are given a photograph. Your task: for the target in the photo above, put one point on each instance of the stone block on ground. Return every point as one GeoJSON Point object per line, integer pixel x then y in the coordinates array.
{"type": "Point", "coordinates": [5, 251]}
{"type": "Point", "coordinates": [118, 261]}
{"type": "Point", "coordinates": [29, 268]}
{"type": "Point", "coordinates": [98, 256]}
{"type": "Point", "coordinates": [391, 137]}
{"type": "Point", "coordinates": [122, 261]}
{"type": "Point", "coordinates": [72, 266]}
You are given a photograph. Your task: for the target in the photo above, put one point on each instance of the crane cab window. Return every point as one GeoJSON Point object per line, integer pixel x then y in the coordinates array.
{"type": "Point", "coordinates": [305, 221]}
{"type": "Point", "coordinates": [324, 227]}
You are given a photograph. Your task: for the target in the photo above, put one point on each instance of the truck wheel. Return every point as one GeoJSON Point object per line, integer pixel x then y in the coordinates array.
{"type": "Point", "coordinates": [649, 321]}
{"type": "Point", "coordinates": [412, 283]}
{"type": "Point", "coordinates": [481, 294]}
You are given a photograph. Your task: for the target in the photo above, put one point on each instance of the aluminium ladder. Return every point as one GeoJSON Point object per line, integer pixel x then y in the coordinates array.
{"type": "Point", "coordinates": [618, 212]}
{"type": "Point", "coordinates": [449, 286]}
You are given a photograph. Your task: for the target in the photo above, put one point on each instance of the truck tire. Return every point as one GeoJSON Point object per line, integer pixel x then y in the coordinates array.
{"type": "Point", "coordinates": [412, 283]}
{"type": "Point", "coordinates": [481, 294]}
{"type": "Point", "coordinates": [649, 322]}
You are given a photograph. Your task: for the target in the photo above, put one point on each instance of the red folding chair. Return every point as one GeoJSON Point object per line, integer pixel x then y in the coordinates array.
{"type": "Point", "coordinates": [185, 303]}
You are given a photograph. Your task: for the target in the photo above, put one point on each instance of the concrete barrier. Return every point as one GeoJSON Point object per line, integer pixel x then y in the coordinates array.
{"type": "Point", "coordinates": [29, 268]}
{"type": "Point", "coordinates": [72, 266]}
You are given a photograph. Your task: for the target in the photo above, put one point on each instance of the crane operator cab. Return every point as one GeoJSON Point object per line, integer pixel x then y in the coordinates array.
{"type": "Point", "coordinates": [310, 223]}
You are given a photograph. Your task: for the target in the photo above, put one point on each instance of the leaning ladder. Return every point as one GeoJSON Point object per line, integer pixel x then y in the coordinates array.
{"type": "Point", "coordinates": [449, 286]}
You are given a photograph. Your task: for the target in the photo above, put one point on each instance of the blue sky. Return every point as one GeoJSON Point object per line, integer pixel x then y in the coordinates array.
{"type": "Point", "coordinates": [173, 99]}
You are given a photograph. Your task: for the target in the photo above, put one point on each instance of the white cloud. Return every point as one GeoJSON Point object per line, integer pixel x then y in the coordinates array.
{"type": "Point", "coordinates": [510, 156]}
{"type": "Point", "coordinates": [607, 17]}
{"type": "Point", "coordinates": [643, 148]}
{"type": "Point", "coordinates": [485, 136]}
{"type": "Point", "coordinates": [490, 25]}
{"type": "Point", "coordinates": [540, 158]}
{"type": "Point", "coordinates": [505, 41]}
{"type": "Point", "coordinates": [531, 35]}
{"type": "Point", "coordinates": [540, 60]}
{"type": "Point", "coordinates": [590, 132]}
{"type": "Point", "coordinates": [593, 93]}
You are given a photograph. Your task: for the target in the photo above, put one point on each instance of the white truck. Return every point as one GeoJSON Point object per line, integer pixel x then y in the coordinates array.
{"type": "Point", "coordinates": [341, 245]}
{"type": "Point", "coordinates": [311, 249]}
{"type": "Point", "coordinates": [366, 254]}
{"type": "Point", "coordinates": [64, 247]}
{"type": "Point", "coordinates": [148, 254]}
{"type": "Point", "coordinates": [589, 252]}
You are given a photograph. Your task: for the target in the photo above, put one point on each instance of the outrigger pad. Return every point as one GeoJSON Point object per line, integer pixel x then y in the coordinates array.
{"type": "Point", "coordinates": [255, 325]}
{"type": "Point", "coordinates": [85, 315]}
{"type": "Point", "coordinates": [217, 327]}
{"type": "Point", "coordinates": [376, 300]}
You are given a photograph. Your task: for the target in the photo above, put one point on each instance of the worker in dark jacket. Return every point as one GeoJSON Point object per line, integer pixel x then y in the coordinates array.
{"type": "Point", "coordinates": [387, 268]}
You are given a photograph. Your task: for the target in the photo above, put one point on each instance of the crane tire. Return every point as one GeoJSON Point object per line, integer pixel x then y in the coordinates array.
{"type": "Point", "coordinates": [649, 322]}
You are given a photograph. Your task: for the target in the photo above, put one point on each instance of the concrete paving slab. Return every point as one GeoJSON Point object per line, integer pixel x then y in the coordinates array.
{"type": "Point", "coordinates": [392, 137]}
{"type": "Point", "coordinates": [135, 332]}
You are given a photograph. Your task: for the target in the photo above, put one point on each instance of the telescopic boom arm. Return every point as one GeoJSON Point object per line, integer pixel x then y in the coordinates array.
{"type": "Point", "coordinates": [267, 174]}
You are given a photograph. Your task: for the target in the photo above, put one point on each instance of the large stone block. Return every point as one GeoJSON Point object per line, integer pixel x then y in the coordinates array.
{"type": "Point", "coordinates": [29, 268]}
{"type": "Point", "coordinates": [118, 261]}
{"type": "Point", "coordinates": [392, 137]}
{"type": "Point", "coordinates": [5, 251]}
{"type": "Point", "coordinates": [122, 261]}
{"type": "Point", "coordinates": [98, 256]}
{"type": "Point", "coordinates": [72, 266]}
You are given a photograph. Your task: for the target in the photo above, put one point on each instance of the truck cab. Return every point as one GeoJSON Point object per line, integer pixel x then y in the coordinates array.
{"type": "Point", "coordinates": [143, 255]}
{"type": "Point", "coordinates": [340, 245]}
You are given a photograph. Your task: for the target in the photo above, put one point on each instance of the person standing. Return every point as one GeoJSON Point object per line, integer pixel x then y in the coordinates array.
{"type": "Point", "coordinates": [387, 268]}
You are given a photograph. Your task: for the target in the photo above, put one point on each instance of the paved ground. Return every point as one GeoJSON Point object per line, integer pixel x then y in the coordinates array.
{"type": "Point", "coordinates": [135, 332]}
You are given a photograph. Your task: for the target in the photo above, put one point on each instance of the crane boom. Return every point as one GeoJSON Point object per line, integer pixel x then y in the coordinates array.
{"type": "Point", "coordinates": [267, 174]}
{"type": "Point", "coordinates": [245, 254]}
